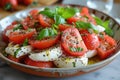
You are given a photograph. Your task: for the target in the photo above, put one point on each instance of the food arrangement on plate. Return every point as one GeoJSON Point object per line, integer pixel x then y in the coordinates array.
{"type": "Point", "coordinates": [63, 37]}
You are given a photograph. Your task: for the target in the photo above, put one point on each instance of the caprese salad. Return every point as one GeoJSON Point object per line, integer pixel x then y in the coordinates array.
{"type": "Point", "coordinates": [63, 37]}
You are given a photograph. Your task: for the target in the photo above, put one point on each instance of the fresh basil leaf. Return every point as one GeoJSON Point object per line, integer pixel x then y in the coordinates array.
{"type": "Point", "coordinates": [19, 26]}
{"type": "Point", "coordinates": [86, 25]}
{"type": "Point", "coordinates": [105, 24]}
{"type": "Point", "coordinates": [47, 32]}
{"type": "Point", "coordinates": [98, 20]}
{"type": "Point", "coordinates": [108, 30]}
{"type": "Point", "coordinates": [66, 12]}
{"type": "Point", "coordinates": [47, 12]}
{"type": "Point", "coordinates": [16, 52]}
{"type": "Point", "coordinates": [25, 43]}
{"type": "Point", "coordinates": [59, 20]}
{"type": "Point", "coordinates": [42, 34]}
{"type": "Point", "coordinates": [73, 49]}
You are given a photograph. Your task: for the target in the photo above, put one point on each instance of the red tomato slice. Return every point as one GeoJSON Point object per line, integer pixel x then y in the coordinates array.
{"type": "Point", "coordinates": [13, 58]}
{"type": "Point", "coordinates": [107, 47]}
{"type": "Point", "coordinates": [72, 20]}
{"type": "Point", "coordinates": [43, 44]}
{"type": "Point", "coordinates": [62, 27]}
{"type": "Point", "coordinates": [85, 13]}
{"type": "Point", "coordinates": [19, 37]}
{"type": "Point", "coordinates": [40, 64]}
{"type": "Point", "coordinates": [34, 12]}
{"type": "Point", "coordinates": [4, 37]}
{"type": "Point", "coordinates": [20, 59]}
{"type": "Point", "coordinates": [45, 21]}
{"type": "Point", "coordinates": [71, 39]}
{"type": "Point", "coordinates": [27, 2]}
{"type": "Point", "coordinates": [90, 39]}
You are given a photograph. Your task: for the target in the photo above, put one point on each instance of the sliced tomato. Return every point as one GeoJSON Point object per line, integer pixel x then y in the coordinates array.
{"type": "Point", "coordinates": [107, 47]}
{"type": "Point", "coordinates": [13, 58]}
{"type": "Point", "coordinates": [4, 37]}
{"type": "Point", "coordinates": [27, 2]}
{"type": "Point", "coordinates": [90, 39]}
{"type": "Point", "coordinates": [62, 27]}
{"type": "Point", "coordinates": [19, 37]}
{"type": "Point", "coordinates": [40, 64]}
{"type": "Point", "coordinates": [34, 12]}
{"type": "Point", "coordinates": [72, 20]}
{"type": "Point", "coordinates": [45, 21]}
{"type": "Point", "coordinates": [71, 39]}
{"type": "Point", "coordinates": [43, 44]}
{"type": "Point", "coordinates": [9, 4]}
{"type": "Point", "coordinates": [85, 13]}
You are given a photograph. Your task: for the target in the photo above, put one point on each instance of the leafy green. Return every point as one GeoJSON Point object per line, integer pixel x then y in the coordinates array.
{"type": "Point", "coordinates": [48, 12]}
{"type": "Point", "coordinates": [105, 24]}
{"type": "Point", "coordinates": [86, 25]}
{"type": "Point", "coordinates": [8, 6]}
{"type": "Point", "coordinates": [47, 32]}
{"type": "Point", "coordinates": [58, 19]}
{"type": "Point", "coordinates": [60, 13]}
{"type": "Point", "coordinates": [66, 12]}
{"type": "Point", "coordinates": [25, 43]}
{"type": "Point", "coordinates": [73, 49]}
{"type": "Point", "coordinates": [16, 52]}
{"type": "Point", "coordinates": [19, 26]}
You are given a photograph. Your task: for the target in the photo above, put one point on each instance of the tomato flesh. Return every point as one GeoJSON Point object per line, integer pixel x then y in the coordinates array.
{"type": "Point", "coordinates": [71, 38]}
{"type": "Point", "coordinates": [40, 64]}
{"type": "Point", "coordinates": [107, 47]}
{"type": "Point", "coordinates": [18, 38]}
{"type": "Point", "coordinates": [45, 21]}
{"type": "Point", "coordinates": [62, 27]}
{"type": "Point", "coordinates": [90, 39]}
{"type": "Point", "coordinates": [43, 44]}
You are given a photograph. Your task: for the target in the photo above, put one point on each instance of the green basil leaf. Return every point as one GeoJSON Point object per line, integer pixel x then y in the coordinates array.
{"type": "Point", "coordinates": [66, 12]}
{"type": "Point", "coordinates": [19, 26]}
{"type": "Point", "coordinates": [73, 49]}
{"type": "Point", "coordinates": [59, 20]}
{"type": "Point", "coordinates": [47, 12]}
{"type": "Point", "coordinates": [47, 32]}
{"type": "Point", "coordinates": [108, 30]}
{"type": "Point", "coordinates": [85, 25]}
{"type": "Point", "coordinates": [42, 34]}
{"type": "Point", "coordinates": [25, 43]}
{"type": "Point", "coordinates": [16, 52]}
{"type": "Point", "coordinates": [105, 24]}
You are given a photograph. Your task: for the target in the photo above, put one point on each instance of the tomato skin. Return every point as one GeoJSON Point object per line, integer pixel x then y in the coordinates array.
{"type": "Point", "coordinates": [40, 64]}
{"type": "Point", "coordinates": [4, 37]}
{"type": "Point", "coordinates": [34, 12]}
{"type": "Point", "coordinates": [72, 20]}
{"type": "Point", "coordinates": [14, 3]}
{"type": "Point", "coordinates": [107, 47]}
{"type": "Point", "coordinates": [27, 2]}
{"type": "Point", "coordinates": [19, 38]}
{"type": "Point", "coordinates": [42, 21]}
{"type": "Point", "coordinates": [43, 44]}
{"type": "Point", "coordinates": [90, 39]}
{"type": "Point", "coordinates": [85, 13]}
{"type": "Point", "coordinates": [66, 42]}
{"type": "Point", "coordinates": [62, 27]}
{"type": "Point", "coordinates": [13, 58]}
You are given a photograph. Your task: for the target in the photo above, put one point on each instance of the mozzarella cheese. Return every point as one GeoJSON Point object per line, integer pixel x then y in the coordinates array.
{"type": "Point", "coordinates": [11, 49]}
{"type": "Point", "coordinates": [46, 55]}
{"type": "Point", "coordinates": [91, 53]}
{"type": "Point", "coordinates": [68, 62]}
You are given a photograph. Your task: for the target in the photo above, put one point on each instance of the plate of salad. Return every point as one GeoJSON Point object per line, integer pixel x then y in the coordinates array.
{"type": "Point", "coordinates": [59, 41]}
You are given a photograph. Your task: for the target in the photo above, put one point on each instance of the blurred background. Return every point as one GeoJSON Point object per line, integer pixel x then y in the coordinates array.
{"type": "Point", "coordinates": [111, 7]}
